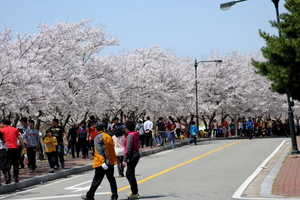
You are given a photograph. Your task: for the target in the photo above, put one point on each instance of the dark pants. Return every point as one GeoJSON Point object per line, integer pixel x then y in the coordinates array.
{"type": "Point", "coordinates": [83, 144]}
{"type": "Point", "coordinates": [14, 155]}
{"type": "Point", "coordinates": [5, 164]}
{"type": "Point", "coordinates": [120, 167]}
{"type": "Point", "coordinates": [98, 177]}
{"type": "Point", "coordinates": [178, 131]}
{"type": "Point", "coordinates": [250, 133]}
{"type": "Point", "coordinates": [91, 146]}
{"type": "Point", "coordinates": [194, 139]}
{"type": "Point", "coordinates": [31, 154]}
{"type": "Point", "coordinates": [21, 158]}
{"type": "Point", "coordinates": [6, 174]}
{"type": "Point", "coordinates": [142, 140]}
{"type": "Point", "coordinates": [130, 175]}
{"type": "Point", "coordinates": [74, 146]}
{"type": "Point", "coordinates": [59, 154]}
{"type": "Point", "coordinates": [148, 137]}
{"type": "Point", "coordinates": [51, 159]}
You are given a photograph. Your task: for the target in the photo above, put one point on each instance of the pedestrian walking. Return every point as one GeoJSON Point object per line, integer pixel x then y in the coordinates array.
{"type": "Point", "coordinates": [92, 133]}
{"type": "Point", "coordinates": [160, 131]}
{"type": "Point", "coordinates": [214, 127]}
{"type": "Point", "coordinates": [241, 127]}
{"type": "Point", "coordinates": [148, 125]}
{"type": "Point", "coordinates": [119, 149]}
{"type": "Point", "coordinates": [31, 139]}
{"type": "Point", "coordinates": [231, 128]}
{"type": "Point", "coordinates": [59, 132]}
{"type": "Point", "coordinates": [11, 135]}
{"type": "Point", "coordinates": [250, 128]}
{"type": "Point", "coordinates": [82, 135]}
{"type": "Point", "coordinates": [171, 131]}
{"type": "Point", "coordinates": [24, 125]}
{"type": "Point", "coordinates": [140, 128]}
{"type": "Point", "coordinates": [131, 158]}
{"type": "Point", "coordinates": [72, 135]}
{"type": "Point", "coordinates": [104, 161]}
{"type": "Point", "coordinates": [193, 131]}
{"type": "Point", "coordinates": [4, 160]}
{"type": "Point", "coordinates": [50, 143]}
{"type": "Point", "coordinates": [178, 129]}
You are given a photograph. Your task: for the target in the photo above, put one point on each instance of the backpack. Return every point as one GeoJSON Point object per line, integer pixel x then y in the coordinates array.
{"type": "Point", "coordinates": [119, 130]}
{"type": "Point", "coordinates": [141, 129]}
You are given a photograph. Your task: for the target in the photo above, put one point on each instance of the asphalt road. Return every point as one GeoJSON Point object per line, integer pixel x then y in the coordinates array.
{"type": "Point", "coordinates": [212, 170]}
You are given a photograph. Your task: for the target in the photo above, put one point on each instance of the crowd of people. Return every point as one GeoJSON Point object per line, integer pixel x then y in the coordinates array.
{"type": "Point", "coordinates": [248, 127]}
{"type": "Point", "coordinates": [111, 143]}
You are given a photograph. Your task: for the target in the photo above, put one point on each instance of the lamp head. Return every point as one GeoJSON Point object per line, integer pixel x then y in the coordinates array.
{"type": "Point", "coordinates": [196, 63]}
{"type": "Point", "coordinates": [226, 6]}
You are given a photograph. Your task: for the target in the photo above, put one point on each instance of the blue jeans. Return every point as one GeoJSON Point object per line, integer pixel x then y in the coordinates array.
{"type": "Point", "coordinates": [157, 140]}
{"type": "Point", "coordinates": [270, 131]}
{"type": "Point", "coordinates": [194, 139]}
{"type": "Point", "coordinates": [161, 136]}
{"type": "Point", "coordinates": [172, 143]}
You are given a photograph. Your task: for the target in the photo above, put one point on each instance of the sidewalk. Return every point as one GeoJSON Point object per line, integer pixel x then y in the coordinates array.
{"type": "Point", "coordinates": [287, 183]}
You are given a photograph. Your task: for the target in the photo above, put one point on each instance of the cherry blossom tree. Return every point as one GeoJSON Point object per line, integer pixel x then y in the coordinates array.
{"type": "Point", "coordinates": [59, 63]}
{"type": "Point", "coordinates": [57, 73]}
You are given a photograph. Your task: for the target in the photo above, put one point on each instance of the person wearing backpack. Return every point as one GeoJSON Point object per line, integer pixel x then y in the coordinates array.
{"type": "Point", "coordinates": [140, 128]}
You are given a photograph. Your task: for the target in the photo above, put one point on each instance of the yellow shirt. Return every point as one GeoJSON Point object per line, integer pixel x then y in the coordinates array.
{"type": "Point", "coordinates": [51, 144]}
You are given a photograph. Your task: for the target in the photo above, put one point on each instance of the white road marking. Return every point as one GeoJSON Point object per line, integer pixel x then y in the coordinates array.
{"type": "Point", "coordinates": [77, 189]}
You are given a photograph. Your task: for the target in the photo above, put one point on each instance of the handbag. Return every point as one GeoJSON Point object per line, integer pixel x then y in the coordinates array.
{"type": "Point", "coordinates": [119, 151]}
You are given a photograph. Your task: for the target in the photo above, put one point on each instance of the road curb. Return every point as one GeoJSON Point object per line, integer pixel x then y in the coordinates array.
{"type": "Point", "coordinates": [44, 178]}
{"type": "Point", "coordinates": [267, 184]}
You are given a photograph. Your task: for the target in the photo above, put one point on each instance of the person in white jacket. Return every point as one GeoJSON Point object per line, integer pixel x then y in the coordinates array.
{"type": "Point", "coordinates": [119, 148]}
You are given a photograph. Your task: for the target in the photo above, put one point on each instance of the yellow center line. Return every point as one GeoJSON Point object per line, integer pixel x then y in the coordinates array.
{"type": "Point", "coordinates": [167, 170]}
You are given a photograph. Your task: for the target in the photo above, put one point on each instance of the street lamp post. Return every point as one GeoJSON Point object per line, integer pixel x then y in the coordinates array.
{"type": "Point", "coordinates": [290, 103]}
{"type": "Point", "coordinates": [226, 6]}
{"type": "Point", "coordinates": [196, 85]}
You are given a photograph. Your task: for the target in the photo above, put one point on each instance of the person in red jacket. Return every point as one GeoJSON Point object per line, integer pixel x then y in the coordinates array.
{"type": "Point", "coordinates": [11, 135]}
{"type": "Point", "coordinates": [131, 157]}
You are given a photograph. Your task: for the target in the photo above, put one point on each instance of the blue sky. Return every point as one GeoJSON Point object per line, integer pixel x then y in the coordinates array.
{"type": "Point", "coordinates": [188, 27]}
